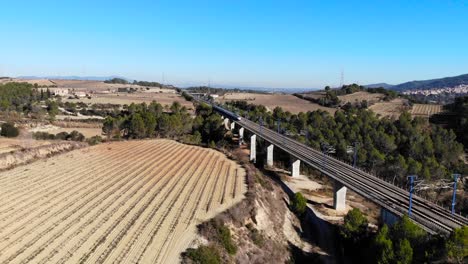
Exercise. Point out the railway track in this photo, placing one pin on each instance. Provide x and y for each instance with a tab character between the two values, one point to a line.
433	218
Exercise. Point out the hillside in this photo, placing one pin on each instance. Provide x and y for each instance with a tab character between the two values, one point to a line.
433	83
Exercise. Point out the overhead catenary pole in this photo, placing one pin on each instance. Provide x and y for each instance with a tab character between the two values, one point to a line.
454	196
356	144
411	177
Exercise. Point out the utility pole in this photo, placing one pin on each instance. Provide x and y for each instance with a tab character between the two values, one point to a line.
411	177
455	179
260	120
356	144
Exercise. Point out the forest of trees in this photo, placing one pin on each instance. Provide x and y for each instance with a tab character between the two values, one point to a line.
24	98
389	148
330	99
403	242
146	121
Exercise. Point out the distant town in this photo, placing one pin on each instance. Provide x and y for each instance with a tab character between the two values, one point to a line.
458	90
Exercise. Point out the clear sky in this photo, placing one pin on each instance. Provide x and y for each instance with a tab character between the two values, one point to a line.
259	43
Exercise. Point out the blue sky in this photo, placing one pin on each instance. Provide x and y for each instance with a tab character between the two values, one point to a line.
247	43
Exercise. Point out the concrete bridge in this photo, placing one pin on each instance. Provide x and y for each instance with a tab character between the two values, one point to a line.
393	200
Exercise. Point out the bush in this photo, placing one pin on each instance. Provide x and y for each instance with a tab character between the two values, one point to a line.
94	140
43	136
224	235
299	203
204	255
9	130
457	244
256	236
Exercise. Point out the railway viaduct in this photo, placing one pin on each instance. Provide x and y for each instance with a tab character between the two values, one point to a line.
392	199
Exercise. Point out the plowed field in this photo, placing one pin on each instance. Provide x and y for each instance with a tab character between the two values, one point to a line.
123	202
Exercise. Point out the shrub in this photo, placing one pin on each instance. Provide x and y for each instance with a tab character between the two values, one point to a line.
94	140
76	136
457	244
204	255
299	203
224	235
9	130
43	136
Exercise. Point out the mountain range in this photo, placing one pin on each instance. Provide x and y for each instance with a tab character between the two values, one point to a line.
425	84
81	78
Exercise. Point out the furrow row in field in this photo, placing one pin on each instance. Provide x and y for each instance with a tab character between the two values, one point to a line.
164	221
87	180
43	211
214	188
112	236
74	239
120	202
162	242
201	191
97	196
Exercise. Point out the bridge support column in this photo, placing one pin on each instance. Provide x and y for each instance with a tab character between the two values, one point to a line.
226	123
270	155
388	217
241	135
339	197
233	125
253	148
295	167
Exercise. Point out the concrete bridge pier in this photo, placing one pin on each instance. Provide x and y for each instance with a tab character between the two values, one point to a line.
226	123
253	148
339	196
295	167
388	217
270	155
241	135
233	125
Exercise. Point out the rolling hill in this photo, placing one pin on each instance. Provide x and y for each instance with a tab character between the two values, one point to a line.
431	84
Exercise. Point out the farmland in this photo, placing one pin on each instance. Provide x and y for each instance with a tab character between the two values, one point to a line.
288	102
390	109
425	110
124	202
141	97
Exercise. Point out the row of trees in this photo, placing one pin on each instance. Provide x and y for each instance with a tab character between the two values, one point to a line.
388	147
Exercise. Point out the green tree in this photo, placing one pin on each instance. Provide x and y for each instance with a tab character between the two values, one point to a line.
384	246
137	128
404	252
457	244
299	203
52	108
9	130
355	225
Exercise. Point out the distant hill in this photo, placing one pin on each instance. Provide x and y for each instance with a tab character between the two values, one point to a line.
431	84
81	78
378	85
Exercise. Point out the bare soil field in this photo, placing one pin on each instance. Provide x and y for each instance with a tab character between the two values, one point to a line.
286	101
14	144
121	202
124	98
31	81
358	97
426	110
390	109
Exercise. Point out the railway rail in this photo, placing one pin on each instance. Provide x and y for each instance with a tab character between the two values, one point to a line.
431	217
